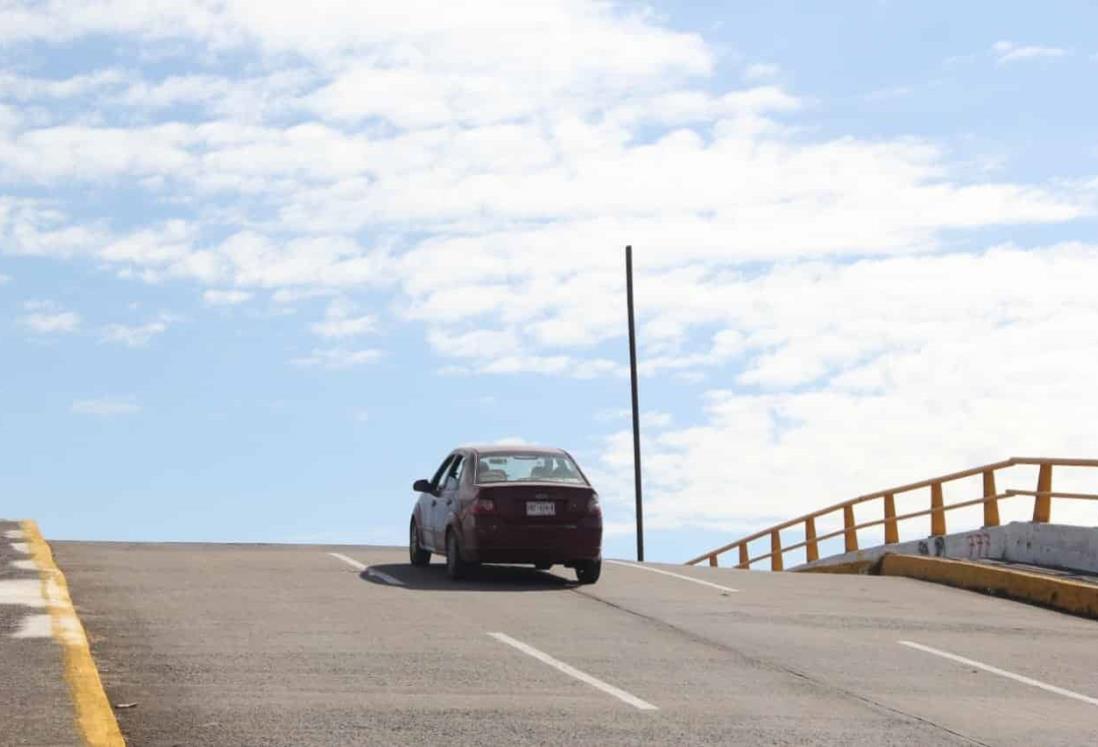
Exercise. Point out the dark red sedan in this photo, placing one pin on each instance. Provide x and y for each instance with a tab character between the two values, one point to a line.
508	504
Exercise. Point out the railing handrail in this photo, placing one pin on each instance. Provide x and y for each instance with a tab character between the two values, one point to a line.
935	483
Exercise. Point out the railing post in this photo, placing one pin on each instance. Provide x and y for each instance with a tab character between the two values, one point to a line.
991	503
1042	504
776	551
745	559
937	511
850	534
712	561
811	550
892	534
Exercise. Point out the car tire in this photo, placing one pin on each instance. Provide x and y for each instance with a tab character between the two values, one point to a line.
417	554
543	566
588	571
456	568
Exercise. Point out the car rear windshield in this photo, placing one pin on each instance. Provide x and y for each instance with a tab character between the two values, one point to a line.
527	467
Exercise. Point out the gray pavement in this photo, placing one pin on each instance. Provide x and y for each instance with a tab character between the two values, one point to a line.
287	645
35	708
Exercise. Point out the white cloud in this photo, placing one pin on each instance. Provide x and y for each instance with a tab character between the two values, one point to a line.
4	279
761	71
105	406
134	335
492	173
215	297
337	358
340	321
23	88
1006	51
854	377
649	418
291	295
47	318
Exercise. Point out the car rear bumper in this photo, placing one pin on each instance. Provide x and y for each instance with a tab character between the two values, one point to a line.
497	541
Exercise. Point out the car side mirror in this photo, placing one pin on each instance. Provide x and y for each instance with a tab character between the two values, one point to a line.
422	486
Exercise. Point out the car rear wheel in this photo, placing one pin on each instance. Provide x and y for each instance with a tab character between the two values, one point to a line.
588	571
455	567
417	554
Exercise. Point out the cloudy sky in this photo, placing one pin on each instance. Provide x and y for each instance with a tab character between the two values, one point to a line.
262	264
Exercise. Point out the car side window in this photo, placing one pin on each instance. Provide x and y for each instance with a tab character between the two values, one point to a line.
453	475
437	480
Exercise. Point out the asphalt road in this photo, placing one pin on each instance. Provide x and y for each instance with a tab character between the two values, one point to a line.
290	645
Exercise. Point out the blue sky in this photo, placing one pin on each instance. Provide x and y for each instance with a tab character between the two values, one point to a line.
262	266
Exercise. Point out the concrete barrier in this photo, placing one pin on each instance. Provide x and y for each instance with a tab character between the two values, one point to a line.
1049	545
1065	595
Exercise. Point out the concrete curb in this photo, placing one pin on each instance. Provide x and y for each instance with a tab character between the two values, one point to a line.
860	567
1061	594
94	715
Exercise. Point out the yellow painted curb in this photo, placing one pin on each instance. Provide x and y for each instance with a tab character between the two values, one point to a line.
1062	594
94	715
855	566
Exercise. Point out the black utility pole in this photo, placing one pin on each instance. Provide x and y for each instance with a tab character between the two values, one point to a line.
636	410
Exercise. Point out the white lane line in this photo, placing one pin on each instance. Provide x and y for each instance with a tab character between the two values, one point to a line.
571	671
369	571
21	547
24	591
673	575
14	534
35	626
1002	672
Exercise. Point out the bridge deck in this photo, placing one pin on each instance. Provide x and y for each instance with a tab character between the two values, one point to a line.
237	644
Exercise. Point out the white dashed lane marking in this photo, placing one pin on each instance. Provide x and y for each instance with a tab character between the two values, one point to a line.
367	569
35	626
650	569
1001	672
22	591
26	592
633	700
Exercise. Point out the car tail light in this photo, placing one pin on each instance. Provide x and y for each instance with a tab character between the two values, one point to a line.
593	507
484	506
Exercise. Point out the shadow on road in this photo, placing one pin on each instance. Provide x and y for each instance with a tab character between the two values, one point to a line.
482	578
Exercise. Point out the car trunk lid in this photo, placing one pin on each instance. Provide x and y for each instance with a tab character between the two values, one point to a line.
530	502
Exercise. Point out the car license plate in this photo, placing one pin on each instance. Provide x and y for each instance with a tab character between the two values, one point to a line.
541	508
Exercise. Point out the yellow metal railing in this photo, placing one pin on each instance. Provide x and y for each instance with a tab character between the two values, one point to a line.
1042	510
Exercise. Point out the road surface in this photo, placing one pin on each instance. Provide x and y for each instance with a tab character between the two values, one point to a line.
311	645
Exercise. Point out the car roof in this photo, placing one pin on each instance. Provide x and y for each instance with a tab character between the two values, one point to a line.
511	448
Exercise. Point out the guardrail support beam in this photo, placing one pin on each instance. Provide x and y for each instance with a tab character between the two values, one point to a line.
811	550
712	561
1042	504
745	560
892	533
776	551
991	503
850	534
937	511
